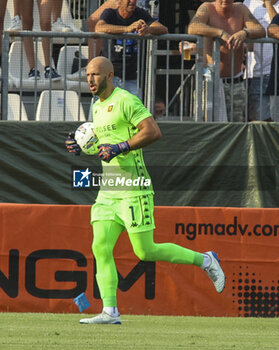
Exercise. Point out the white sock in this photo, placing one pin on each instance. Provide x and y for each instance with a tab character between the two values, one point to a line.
112	311
206	261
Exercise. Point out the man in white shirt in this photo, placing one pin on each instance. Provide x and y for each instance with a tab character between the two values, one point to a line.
259	61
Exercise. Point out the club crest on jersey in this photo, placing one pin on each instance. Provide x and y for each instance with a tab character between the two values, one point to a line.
110	108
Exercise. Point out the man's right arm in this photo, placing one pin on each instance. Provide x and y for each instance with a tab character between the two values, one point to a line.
199	24
103	27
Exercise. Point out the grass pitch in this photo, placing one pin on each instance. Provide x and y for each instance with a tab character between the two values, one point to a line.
25	331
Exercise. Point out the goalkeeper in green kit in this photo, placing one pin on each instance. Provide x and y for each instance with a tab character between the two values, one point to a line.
123	126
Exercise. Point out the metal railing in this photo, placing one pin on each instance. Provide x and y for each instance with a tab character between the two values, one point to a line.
188	94
147	54
213	86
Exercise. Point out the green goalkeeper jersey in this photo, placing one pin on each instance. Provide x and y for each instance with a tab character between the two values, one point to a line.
115	120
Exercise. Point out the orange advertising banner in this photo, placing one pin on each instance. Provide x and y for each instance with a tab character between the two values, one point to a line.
46	261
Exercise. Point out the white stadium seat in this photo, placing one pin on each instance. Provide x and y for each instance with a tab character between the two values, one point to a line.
14	108
72	106
65	67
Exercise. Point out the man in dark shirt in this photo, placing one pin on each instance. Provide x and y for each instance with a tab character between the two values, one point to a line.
128	18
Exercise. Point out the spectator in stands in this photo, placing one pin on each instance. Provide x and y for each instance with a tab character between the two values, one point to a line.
94	47
233	23
128	18
45	8
159	108
109	10
3	4
92	21
259	61
273	32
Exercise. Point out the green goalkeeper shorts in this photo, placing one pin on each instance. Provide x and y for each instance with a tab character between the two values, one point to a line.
135	214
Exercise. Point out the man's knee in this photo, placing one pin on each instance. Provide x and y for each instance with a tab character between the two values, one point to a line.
101	250
145	254
96	247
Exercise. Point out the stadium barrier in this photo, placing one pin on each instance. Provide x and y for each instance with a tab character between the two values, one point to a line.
46	261
193	164
150	52
189	94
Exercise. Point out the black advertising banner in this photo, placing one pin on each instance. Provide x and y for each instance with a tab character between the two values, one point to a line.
194	164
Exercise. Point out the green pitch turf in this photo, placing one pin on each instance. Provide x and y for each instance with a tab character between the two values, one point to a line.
25	331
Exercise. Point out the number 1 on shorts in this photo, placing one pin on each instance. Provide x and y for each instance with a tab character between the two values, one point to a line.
132	211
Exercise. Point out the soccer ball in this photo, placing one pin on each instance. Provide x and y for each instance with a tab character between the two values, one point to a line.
87	139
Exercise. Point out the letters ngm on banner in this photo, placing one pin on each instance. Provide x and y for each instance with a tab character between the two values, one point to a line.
46	261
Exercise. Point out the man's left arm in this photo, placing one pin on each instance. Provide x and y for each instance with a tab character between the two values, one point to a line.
252	29
273	29
149	132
